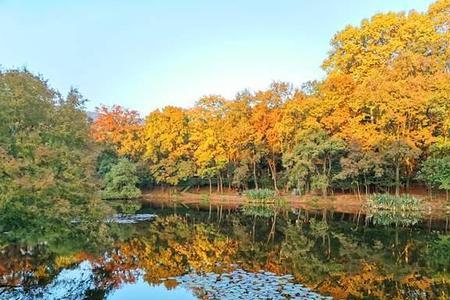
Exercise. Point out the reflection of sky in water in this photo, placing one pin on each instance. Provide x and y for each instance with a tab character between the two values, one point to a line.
72	284
238	284
142	290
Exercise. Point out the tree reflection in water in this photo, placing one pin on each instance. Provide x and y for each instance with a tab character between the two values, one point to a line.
335	258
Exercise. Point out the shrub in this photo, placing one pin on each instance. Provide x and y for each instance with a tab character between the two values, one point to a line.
121	181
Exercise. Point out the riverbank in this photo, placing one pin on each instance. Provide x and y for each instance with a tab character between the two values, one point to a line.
345	203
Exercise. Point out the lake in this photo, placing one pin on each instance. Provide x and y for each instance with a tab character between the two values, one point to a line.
215	252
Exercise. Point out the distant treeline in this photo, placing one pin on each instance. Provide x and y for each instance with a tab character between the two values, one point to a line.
379	120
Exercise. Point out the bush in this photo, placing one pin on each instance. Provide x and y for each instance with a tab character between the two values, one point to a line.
121	181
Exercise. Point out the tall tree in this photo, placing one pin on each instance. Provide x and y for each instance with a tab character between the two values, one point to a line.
120	128
167	147
47	162
266	114
208	138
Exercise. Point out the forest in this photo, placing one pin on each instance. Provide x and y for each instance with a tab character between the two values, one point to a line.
378	122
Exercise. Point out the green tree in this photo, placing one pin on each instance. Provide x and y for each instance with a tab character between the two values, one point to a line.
47	174
435	171
360	169
315	159
106	160
121	181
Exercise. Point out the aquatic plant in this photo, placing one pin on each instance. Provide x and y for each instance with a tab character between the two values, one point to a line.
392	202
262	203
204	199
389	217
240	284
386	209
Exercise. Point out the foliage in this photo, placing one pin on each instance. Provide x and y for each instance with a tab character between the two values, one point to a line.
386	209
167	149
369	125
120	182
120	128
262	203
438	252
145	178
435	171
391	202
47	163
106	160
315	158
260	195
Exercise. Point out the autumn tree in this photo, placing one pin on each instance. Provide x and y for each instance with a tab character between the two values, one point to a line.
266	114
239	145
119	127
208	138
167	148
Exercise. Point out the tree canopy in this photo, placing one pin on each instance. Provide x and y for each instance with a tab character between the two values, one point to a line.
46	172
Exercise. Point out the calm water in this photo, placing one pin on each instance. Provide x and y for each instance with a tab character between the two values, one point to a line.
251	253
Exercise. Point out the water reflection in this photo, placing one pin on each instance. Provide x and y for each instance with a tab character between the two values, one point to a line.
191	254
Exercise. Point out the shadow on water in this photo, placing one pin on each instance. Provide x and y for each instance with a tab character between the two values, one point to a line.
205	251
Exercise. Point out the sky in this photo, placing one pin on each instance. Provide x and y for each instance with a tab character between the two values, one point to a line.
145	55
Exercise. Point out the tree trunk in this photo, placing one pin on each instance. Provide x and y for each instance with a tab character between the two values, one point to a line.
366	185
397	179
325	173
229	178
221	182
217	183
210	185
255	179
359	192
273	171
272	229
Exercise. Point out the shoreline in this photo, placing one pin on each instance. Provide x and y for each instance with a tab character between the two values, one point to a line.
344	203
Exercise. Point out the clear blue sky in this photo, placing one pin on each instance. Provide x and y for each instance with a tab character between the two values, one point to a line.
148	54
